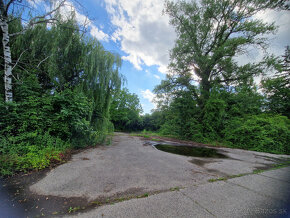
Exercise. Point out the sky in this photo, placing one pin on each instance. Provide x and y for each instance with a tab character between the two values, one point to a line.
139	32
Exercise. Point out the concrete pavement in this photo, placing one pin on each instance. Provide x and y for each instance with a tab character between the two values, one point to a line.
129	168
258	195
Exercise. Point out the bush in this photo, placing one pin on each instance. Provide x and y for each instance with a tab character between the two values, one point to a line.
264	132
17	154
34	131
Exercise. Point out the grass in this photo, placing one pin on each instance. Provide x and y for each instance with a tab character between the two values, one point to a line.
150	135
274	167
175	188
114	200
73	209
117	200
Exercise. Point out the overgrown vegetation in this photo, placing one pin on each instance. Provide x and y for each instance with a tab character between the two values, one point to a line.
208	96
66	88
62	87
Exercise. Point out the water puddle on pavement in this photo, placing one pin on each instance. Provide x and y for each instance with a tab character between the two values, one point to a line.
190	151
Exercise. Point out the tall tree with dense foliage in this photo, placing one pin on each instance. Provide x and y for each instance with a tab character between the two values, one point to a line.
207	95
210	33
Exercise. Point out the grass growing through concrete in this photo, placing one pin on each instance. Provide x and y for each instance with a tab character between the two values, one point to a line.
274	167
101	202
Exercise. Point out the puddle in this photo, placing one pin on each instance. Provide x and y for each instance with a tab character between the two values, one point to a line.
190	151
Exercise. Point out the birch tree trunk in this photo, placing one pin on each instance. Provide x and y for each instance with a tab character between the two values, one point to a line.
4	22
7	60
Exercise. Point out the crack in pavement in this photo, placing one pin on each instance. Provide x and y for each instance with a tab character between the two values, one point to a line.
194	201
282	180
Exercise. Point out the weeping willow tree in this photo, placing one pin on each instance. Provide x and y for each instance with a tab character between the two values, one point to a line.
101	77
68	62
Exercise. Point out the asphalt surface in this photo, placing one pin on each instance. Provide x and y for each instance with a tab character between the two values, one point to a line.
131	166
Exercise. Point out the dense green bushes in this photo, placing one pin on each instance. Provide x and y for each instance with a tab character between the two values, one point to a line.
38	129
264	132
235	117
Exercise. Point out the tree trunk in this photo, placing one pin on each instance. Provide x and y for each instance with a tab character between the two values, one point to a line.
7	59
205	90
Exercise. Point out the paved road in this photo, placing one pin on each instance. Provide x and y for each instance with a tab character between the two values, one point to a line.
130	167
263	195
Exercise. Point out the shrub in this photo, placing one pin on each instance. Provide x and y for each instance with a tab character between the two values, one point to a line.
35	130
264	132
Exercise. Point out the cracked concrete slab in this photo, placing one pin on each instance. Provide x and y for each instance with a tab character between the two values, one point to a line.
128	166
118	168
233	198
164	205
267	186
225	199
282	174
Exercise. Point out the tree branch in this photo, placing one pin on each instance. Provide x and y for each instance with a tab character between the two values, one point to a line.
40	19
19	59
43	60
8	5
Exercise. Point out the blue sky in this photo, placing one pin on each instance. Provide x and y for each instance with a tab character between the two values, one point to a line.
113	24
142	35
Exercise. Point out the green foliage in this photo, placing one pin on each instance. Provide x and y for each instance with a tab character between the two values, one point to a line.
233	116
214	117
181	118
125	111
278	94
154	121
210	34
62	95
260	133
225	105
277	87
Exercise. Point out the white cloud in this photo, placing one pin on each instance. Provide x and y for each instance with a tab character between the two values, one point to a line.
83	20
156	76
34	3
144	33
135	60
147	94
99	34
277	42
66	12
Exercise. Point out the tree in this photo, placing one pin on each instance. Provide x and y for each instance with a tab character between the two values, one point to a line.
5	18
210	33
125	111
277	88
154	121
